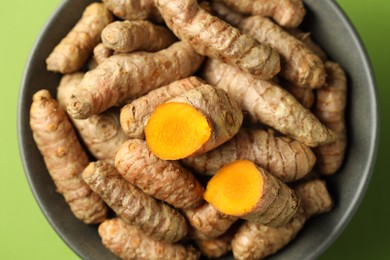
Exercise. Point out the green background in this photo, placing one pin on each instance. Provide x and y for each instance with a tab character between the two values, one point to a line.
24	231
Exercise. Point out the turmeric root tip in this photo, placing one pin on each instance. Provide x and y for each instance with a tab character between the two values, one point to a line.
245	190
176	130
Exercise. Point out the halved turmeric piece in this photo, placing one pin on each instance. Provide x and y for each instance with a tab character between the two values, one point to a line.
192	123
245	190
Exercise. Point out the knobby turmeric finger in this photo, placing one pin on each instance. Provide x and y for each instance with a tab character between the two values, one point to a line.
64	157
287	13
215	247
193	123
153	217
135	115
74	50
269	104
256	241
208	221
128	36
299	64
101	53
128	242
164	180
305	96
212	37
287	159
244	190
330	109
125	76
134	10
102	134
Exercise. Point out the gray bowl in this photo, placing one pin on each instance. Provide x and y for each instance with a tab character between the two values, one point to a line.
329	26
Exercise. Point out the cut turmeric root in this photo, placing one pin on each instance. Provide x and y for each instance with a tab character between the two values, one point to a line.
193	123
135	115
255	241
247	191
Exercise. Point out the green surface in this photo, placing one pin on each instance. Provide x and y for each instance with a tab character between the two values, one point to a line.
25	233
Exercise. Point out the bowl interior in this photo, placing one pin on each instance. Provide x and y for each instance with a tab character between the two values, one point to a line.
329	26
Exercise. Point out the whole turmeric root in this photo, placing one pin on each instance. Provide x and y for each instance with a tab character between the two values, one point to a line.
215	247
305	96
245	190
102	133
134	10
193	123
287	13
64	157
125	76
135	115
208	222
153	217
74	50
164	180
128	36
299	64
269	104
255	241
212	37
101	53
309	42
330	109
285	158
128	242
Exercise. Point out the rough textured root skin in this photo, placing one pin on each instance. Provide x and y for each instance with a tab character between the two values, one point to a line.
274	107
101	53
315	198
255	241
64	157
128	36
153	217
305	96
74	50
309	43
298	63
287	13
215	247
102	133
208	221
125	76
128	242
135	115
134	10
163	180
223	112
330	109
287	159
212	37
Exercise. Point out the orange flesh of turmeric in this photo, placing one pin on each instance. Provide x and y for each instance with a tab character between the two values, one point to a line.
236	188
176	130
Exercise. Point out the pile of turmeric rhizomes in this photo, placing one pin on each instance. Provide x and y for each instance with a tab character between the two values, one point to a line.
211	126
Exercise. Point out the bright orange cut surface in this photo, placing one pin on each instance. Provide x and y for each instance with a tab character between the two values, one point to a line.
236	188
176	130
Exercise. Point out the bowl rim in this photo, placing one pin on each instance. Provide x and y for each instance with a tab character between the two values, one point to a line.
359	192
